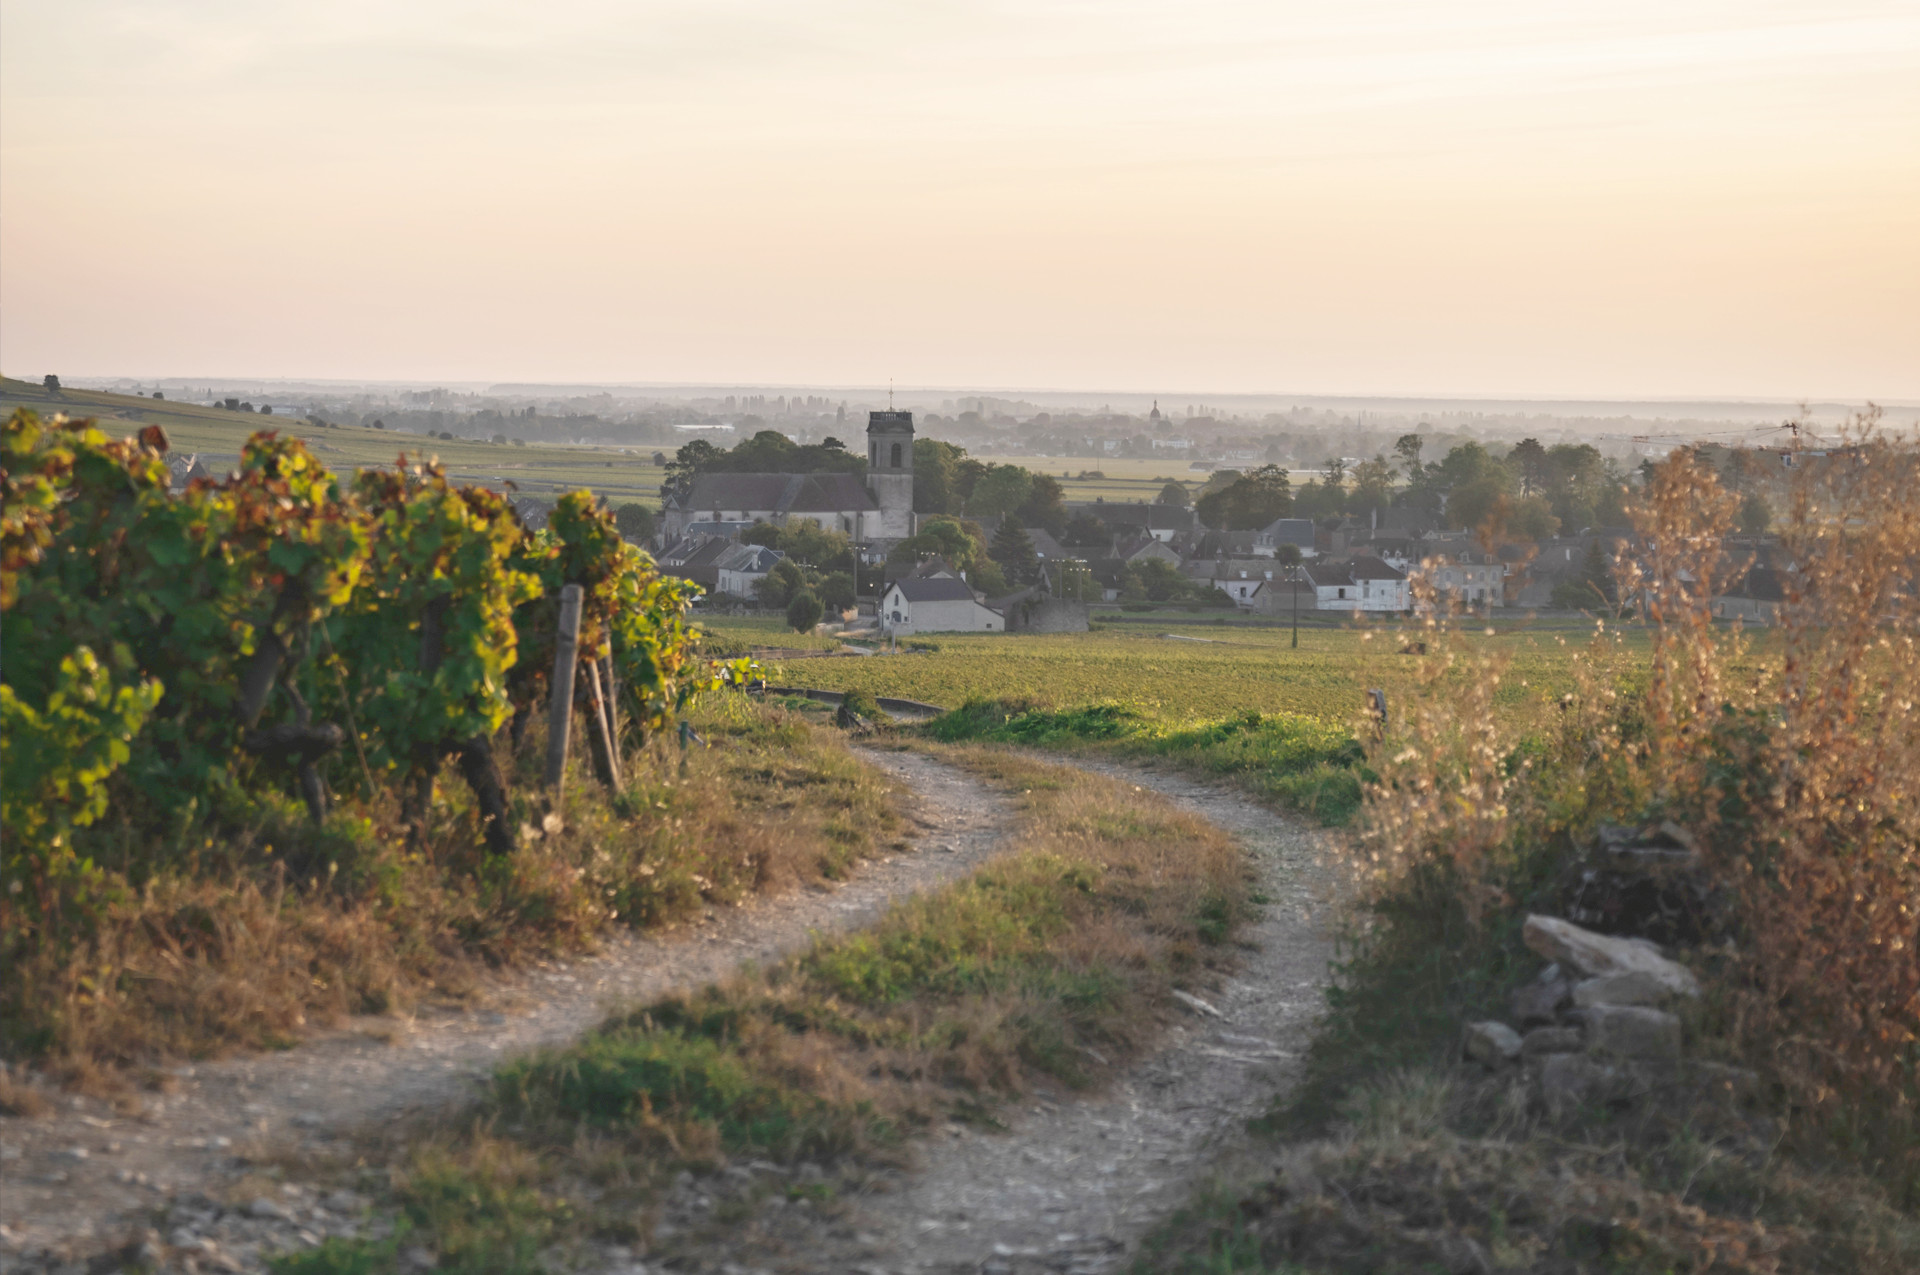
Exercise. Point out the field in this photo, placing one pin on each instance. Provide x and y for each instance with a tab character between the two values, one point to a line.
543	470
1123	480
1185	673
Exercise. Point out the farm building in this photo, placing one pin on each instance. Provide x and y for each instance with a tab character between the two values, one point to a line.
1361	584
939	604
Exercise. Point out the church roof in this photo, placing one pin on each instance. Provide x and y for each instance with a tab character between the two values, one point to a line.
780	493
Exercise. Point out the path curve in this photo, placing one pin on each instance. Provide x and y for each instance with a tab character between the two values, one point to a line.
88	1175
1076	1183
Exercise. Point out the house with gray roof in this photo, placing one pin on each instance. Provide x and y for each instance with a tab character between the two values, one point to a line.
936	604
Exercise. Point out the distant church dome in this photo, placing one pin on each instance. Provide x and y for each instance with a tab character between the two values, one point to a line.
1154	415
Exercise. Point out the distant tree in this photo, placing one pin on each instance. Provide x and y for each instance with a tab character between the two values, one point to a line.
500	439
1045	506
1087	531
158	394
960	543
1154	580
805	541
660	459
1407	448
1013	550
50	382
1755	517
1592	588
1336	471
1174	494
1372	485
1287	555
1529	460
266	409
936	477
379	424
804	612
836	590
1531	518
519	442
1000	490
786	580
1249	502
634	520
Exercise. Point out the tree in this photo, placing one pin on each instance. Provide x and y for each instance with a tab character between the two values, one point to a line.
1407	448
1087	531
1287	555
1045	506
1013	551
936	479
1001	490
806	541
50	382
804	612
1372	485
1592	588
786	581
836	590
635	521
1249	502
1755	517
1174	494
1529	460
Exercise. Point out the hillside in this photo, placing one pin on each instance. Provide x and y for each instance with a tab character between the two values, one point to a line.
538	470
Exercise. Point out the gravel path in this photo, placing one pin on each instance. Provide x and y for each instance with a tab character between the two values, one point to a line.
1075	1183
91	1174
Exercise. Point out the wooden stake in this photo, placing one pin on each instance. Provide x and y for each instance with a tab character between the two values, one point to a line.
606	759
566	652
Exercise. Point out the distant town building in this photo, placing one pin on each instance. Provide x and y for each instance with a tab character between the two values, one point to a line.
938	604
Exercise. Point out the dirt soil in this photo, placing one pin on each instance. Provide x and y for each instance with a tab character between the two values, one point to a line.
91	1172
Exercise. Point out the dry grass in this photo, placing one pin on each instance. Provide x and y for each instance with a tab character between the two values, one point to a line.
1050	964
1795	762
280	929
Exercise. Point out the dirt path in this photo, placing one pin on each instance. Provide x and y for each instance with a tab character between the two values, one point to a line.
1077	1182
89	1174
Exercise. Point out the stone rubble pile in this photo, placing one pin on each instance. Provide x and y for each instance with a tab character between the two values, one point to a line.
1597	1024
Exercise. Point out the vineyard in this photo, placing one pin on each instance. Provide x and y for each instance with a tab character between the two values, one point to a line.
1192	673
224	701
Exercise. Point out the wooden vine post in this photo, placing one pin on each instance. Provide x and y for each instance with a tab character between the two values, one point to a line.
566	652
606	757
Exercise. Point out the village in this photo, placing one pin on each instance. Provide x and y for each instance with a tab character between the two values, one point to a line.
720	533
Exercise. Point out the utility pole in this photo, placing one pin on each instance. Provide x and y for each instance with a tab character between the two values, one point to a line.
1297	571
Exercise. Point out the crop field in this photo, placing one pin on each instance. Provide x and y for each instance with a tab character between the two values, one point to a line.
1183	674
538	469
1121	481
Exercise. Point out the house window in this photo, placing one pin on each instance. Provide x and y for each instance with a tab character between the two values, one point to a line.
1343	593
896	456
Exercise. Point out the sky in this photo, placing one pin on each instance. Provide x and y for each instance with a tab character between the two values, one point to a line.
1476	197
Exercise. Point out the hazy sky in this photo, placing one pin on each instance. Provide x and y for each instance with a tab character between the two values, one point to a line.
1378	196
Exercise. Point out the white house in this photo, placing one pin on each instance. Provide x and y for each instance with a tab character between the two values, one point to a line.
938	604
1467	579
1238	578
743	566
1362	584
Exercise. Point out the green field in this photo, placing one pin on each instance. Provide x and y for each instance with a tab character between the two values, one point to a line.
1202	673
1122	481
538	469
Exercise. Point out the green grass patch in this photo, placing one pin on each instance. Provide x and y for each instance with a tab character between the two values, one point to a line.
1292	760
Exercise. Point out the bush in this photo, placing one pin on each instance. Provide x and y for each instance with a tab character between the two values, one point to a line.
804	612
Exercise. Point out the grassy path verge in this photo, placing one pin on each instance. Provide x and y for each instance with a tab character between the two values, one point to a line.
1051	963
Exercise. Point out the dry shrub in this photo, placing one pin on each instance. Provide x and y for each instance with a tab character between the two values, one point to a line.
1795	758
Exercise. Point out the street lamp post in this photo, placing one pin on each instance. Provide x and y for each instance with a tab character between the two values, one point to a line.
1296	606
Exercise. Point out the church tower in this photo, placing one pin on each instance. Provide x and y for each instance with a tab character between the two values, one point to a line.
890	474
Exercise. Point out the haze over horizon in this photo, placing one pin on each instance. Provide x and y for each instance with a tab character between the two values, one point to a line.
1646	201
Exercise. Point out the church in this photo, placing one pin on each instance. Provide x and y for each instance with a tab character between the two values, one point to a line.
877	513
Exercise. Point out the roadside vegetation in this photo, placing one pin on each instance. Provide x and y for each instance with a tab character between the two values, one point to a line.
1789	1137
228	714
1301	763
1050	965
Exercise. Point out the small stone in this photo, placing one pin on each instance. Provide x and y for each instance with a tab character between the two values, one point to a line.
1568	1080
270	1209
1630	1031
1493	1044
419	1259
73	1153
1550	1040
1634	987
1540	1002
343	1202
